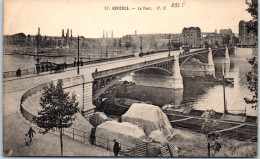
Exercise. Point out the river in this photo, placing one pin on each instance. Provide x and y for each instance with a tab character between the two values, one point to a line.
205	95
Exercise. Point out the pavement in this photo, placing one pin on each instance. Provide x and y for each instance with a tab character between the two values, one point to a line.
43	144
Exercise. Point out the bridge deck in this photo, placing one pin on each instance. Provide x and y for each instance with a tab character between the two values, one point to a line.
89	69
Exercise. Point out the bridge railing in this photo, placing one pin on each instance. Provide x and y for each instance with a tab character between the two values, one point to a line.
30	71
190	53
29	116
23	72
129	67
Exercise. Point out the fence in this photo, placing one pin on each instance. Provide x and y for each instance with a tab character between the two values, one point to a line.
36	89
129	67
33	70
84	137
23	72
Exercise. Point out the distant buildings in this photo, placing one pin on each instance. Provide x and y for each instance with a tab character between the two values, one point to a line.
191	36
245	37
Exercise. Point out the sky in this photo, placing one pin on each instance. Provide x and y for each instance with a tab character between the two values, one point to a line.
89	18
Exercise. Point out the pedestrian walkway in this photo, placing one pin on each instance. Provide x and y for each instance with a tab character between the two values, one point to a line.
42	145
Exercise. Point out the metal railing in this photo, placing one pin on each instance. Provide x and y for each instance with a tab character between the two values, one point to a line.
36	89
29	71
84	137
23	72
130	67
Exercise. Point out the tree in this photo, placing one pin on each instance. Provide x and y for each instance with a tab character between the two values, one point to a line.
252	75
208	128
216	43
253	10
127	45
58	109
252	82
206	44
226	39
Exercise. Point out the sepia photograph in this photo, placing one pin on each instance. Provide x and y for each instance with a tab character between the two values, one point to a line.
129	78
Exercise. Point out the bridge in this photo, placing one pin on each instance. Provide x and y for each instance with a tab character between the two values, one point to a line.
95	79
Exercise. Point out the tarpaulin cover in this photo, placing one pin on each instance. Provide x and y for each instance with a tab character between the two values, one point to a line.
81	124
151	118
126	134
98	118
158	137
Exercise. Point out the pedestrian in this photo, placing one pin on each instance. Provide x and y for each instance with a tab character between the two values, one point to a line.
18	72
42	68
26	139
38	68
30	133
65	65
96	71
116	148
81	62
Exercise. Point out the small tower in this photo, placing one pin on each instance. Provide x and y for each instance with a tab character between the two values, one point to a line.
63	33
135	33
103	34
71	33
112	34
38	30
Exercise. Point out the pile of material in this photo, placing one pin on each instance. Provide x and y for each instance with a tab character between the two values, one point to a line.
150	117
80	125
98	118
126	134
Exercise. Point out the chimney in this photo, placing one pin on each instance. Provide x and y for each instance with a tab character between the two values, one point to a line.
38	30
112	34
216	31
71	33
135	32
67	35
62	32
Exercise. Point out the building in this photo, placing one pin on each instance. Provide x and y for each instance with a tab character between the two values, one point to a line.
226	31
215	39
191	36
246	38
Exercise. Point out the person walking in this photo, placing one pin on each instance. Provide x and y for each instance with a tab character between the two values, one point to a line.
116	148
26	139
30	133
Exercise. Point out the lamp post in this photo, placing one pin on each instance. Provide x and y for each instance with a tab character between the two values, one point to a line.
168	37
78	56
37	52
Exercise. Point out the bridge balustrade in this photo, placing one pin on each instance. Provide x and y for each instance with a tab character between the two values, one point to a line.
129	67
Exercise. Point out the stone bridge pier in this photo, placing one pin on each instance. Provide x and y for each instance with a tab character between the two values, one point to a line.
210	66
227	58
176	78
198	64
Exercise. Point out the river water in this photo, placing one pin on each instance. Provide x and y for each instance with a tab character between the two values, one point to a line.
204	95
197	93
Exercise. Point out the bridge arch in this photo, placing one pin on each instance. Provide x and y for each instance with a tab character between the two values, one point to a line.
197	56
159	68
218	53
113	80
